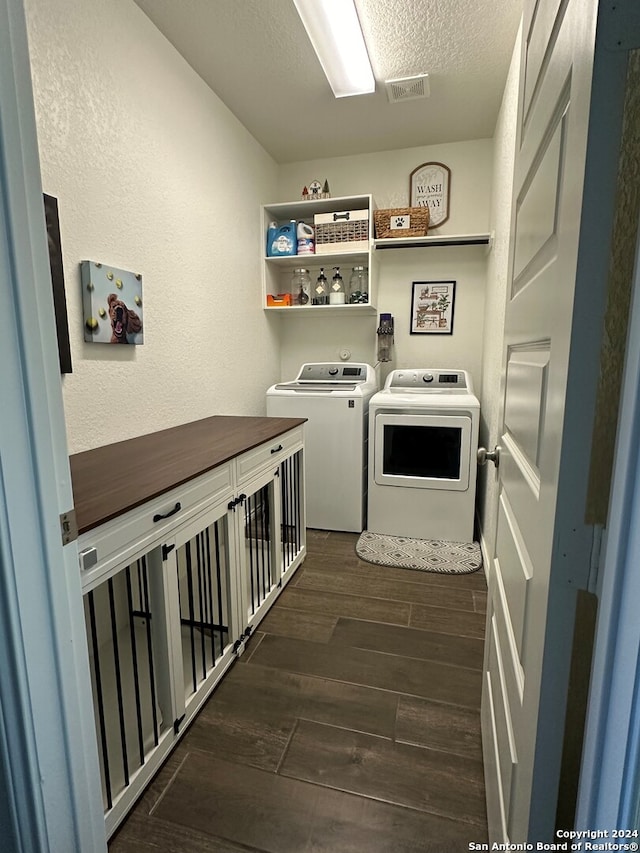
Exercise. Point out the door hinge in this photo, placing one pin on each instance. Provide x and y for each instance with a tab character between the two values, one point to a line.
166	550
68	526
240	643
177	723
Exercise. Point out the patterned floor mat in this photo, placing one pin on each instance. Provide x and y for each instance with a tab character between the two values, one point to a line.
424	555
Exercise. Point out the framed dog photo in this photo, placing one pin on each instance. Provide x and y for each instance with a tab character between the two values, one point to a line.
432	304
112	304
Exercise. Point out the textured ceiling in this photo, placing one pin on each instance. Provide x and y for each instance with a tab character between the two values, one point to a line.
256	57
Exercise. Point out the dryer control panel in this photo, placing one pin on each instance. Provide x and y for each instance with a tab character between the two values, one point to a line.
424	379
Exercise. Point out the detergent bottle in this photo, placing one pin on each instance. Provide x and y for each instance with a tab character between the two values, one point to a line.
306	245
272	230
283	241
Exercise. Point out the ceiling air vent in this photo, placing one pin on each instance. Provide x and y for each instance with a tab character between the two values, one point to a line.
407	88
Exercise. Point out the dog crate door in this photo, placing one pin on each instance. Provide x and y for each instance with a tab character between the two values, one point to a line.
292	521
132	708
204	624
258	519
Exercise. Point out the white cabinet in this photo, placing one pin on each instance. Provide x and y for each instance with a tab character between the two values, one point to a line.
173	597
277	271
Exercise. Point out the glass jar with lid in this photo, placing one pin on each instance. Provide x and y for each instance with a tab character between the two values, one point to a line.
300	287
359	285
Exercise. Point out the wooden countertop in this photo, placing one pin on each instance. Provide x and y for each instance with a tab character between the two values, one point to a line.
113	479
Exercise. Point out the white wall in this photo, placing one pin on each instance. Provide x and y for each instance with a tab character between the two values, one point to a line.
496	295
153	174
386	176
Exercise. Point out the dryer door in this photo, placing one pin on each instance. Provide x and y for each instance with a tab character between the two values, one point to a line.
422	451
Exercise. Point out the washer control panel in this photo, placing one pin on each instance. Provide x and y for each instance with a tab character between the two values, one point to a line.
334	372
428	380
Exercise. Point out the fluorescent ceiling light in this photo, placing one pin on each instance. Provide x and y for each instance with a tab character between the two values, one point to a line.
335	33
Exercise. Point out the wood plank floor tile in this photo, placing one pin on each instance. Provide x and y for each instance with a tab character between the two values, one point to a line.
480	601
440	783
257	701
161	781
242	804
429	679
281	815
346	823
341	555
438	726
335	562
388	589
409	642
161	836
336	604
255	735
299	624
444	621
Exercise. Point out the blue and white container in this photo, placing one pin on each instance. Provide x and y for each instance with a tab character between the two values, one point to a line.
282	240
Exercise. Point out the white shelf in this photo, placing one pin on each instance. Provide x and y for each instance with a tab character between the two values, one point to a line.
358	308
328	261
276	271
433	240
305	210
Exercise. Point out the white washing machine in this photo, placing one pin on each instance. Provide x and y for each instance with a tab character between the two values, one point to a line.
423	440
334	397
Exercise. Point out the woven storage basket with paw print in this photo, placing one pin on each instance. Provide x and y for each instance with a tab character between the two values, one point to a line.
401	222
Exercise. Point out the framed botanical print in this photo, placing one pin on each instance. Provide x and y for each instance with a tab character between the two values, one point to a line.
432	304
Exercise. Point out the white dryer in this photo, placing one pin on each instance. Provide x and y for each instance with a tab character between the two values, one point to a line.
334	397
423	440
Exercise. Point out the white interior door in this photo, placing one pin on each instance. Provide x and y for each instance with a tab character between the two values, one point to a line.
531	599
49	771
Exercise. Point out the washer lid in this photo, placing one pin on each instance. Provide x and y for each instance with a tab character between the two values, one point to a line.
311	387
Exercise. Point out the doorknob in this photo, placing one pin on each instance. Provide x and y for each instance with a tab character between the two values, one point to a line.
485	455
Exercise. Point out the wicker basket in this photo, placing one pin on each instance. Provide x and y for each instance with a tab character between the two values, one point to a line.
389	222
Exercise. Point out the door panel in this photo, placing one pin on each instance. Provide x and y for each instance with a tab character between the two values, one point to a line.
525	398
514	569
505	741
548	179
536	210
539	24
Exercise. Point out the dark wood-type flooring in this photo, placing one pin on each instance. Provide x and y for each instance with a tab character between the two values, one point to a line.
350	725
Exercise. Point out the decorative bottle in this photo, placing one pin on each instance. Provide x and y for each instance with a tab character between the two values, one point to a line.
337	294
321	296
